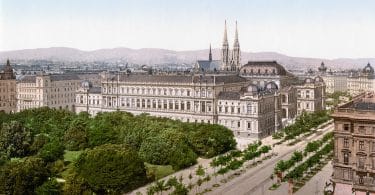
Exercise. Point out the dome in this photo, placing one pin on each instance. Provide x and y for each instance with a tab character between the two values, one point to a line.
86	84
253	89
368	69
309	80
318	79
271	86
322	67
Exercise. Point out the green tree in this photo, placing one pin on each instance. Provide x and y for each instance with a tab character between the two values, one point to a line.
50	187
111	168
52	151
155	150
22	177
15	139
75	138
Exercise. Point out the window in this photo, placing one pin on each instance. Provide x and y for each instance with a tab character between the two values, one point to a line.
346	127
346	143
346	158
361	145
361	129
249	108
361	162
249	125
238	124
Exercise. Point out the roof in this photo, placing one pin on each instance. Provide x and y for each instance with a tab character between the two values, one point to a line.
260	64
27	79
207	65
229	95
179	78
95	90
363	106
62	77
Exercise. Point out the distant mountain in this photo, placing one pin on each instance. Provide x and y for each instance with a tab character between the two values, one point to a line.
162	56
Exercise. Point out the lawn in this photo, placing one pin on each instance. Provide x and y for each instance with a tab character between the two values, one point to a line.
71	156
158	171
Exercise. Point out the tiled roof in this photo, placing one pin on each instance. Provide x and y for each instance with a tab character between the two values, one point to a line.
27	79
179	78
229	95
207	65
95	90
280	69
62	77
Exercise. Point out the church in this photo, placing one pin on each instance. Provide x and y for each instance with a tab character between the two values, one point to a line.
230	59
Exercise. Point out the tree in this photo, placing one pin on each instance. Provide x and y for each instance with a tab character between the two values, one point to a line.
22	177
15	139
75	138
51	187
200	171
112	168
155	150
39	141
52	151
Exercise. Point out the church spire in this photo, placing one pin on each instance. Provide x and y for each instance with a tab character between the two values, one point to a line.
225	62
210	54
236	53
225	40
8	63
236	36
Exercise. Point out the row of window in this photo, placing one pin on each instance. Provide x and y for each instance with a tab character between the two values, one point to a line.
158	91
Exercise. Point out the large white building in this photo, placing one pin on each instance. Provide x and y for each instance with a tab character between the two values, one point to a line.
55	91
247	109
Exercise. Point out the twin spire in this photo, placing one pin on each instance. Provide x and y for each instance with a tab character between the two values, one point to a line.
230	60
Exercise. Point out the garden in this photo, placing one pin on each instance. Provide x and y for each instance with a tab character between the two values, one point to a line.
48	151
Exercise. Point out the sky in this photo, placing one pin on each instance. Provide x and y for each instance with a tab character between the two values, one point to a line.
304	28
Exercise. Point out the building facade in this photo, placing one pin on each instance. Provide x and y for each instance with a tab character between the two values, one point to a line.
359	82
250	111
7	89
54	91
354	146
335	82
311	95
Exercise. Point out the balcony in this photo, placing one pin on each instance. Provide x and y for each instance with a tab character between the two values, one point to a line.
364	181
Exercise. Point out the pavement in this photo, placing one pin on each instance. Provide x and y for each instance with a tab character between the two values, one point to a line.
254	180
257	180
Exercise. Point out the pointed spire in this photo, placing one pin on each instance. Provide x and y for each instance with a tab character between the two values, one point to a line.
210	55
225	40
236	36
8	63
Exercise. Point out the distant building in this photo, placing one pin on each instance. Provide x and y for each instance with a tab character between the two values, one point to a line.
311	95
354	146
54	91
336	82
363	81
7	89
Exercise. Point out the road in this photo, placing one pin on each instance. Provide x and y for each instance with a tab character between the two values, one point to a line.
257	180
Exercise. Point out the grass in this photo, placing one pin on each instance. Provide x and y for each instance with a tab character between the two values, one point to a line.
71	156
158	171
274	186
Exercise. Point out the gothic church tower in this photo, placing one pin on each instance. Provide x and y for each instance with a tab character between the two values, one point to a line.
225	63
236	53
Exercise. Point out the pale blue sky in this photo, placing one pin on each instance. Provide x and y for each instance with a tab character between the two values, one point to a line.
309	28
